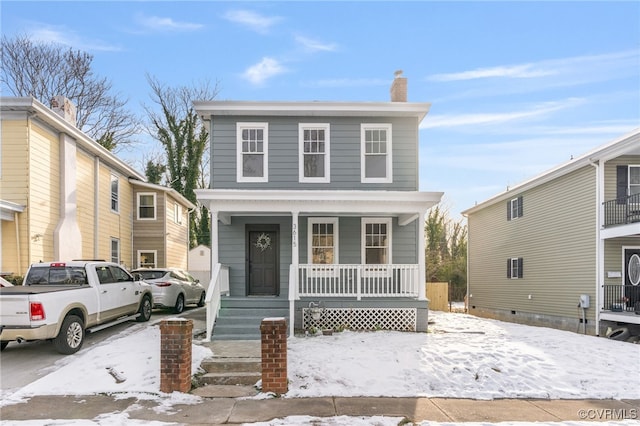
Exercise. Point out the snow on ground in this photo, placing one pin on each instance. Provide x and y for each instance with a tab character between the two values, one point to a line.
461	357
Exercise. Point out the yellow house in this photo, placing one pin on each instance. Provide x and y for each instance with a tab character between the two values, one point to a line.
62	195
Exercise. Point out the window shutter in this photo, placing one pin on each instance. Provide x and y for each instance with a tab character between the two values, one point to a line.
520	206
509	210
520	262
622	174
508	268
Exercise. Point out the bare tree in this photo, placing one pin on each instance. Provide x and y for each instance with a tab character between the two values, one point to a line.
176	125
44	70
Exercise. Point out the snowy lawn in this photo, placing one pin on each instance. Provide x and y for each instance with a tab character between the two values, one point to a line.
461	357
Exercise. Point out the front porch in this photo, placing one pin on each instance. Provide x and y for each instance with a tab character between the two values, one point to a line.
621	303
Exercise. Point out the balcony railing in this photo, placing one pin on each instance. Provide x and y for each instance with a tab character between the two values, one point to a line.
622	211
358	281
620	298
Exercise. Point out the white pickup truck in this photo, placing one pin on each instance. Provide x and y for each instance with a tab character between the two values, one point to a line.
59	301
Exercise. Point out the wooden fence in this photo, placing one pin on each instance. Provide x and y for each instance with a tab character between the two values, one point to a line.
438	295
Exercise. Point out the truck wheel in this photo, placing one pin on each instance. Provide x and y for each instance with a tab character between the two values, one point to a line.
145	310
179	307
71	335
3	345
201	301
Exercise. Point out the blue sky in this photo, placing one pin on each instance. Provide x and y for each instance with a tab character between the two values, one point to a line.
516	87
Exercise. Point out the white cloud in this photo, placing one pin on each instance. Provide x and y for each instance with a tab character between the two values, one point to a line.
348	82
252	20
59	35
314	45
517	71
497	117
265	69
157	23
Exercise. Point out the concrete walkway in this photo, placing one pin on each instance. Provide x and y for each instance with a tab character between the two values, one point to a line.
218	411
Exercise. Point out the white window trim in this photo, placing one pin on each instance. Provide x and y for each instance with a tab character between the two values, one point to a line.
265	147
512	275
327	152
370	126
178	213
629	184
117	241
116	179
155	256
336	241
368	220
155	206
514	202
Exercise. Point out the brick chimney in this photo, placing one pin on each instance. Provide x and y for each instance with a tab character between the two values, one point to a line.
399	88
64	108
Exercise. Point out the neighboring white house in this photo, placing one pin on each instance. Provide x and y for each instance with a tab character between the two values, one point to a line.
200	264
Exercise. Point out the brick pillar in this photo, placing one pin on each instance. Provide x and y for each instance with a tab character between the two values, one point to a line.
274	355
175	355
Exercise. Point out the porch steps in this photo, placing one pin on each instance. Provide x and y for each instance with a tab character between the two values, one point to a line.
232	371
240	318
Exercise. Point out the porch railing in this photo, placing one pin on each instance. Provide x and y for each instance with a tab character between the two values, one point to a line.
620	298
622	211
343	280
218	285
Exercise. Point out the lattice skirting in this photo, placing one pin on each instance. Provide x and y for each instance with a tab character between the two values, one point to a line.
398	319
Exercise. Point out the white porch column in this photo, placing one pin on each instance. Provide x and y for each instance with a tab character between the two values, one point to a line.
214	238
293	277
422	268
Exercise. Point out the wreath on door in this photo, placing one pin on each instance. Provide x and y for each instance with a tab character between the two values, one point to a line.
263	242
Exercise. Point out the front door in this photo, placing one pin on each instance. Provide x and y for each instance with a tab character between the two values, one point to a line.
632	276
262	260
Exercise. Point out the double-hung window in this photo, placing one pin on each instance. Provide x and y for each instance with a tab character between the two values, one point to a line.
323	241
146	206
376	244
634	180
376	151
177	214
252	152
515	268
514	208
314	152
115	192
115	250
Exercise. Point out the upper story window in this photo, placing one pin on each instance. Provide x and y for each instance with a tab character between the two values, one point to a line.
252	152
634	180
323	240
115	192
514	208
177	213
314	152
146	206
376	153
376	244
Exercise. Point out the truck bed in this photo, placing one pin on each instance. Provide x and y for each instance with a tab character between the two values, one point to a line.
38	289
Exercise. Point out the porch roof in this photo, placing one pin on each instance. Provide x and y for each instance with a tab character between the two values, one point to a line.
407	205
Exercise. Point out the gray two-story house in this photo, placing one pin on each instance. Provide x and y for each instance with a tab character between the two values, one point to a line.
316	215
570	239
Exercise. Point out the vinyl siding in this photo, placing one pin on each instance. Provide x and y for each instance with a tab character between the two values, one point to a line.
86	202
14	187
614	257
177	236
115	225
344	150
149	235
556	237
231	240
43	206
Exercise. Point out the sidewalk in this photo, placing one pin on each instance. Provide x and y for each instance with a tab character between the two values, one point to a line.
218	411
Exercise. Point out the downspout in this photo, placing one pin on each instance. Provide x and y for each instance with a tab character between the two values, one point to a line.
599	247
17	223
466	296
189	212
